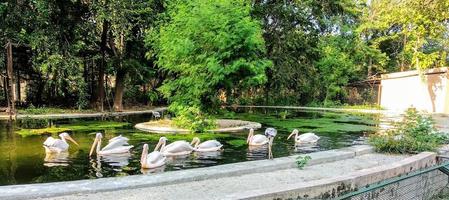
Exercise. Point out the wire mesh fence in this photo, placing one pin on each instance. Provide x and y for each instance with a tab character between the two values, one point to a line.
425	184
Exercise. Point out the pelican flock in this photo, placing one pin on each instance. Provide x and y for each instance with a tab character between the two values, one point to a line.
157	158
53	145
116	145
306	138
206	146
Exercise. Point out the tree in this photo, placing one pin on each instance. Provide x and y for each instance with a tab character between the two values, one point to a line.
209	46
412	31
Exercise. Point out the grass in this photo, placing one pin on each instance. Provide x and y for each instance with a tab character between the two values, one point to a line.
79	126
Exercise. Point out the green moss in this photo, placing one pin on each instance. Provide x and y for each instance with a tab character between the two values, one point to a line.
40	131
188	137
237	142
79	126
329	122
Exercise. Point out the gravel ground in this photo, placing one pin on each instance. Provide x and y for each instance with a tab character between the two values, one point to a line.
230	187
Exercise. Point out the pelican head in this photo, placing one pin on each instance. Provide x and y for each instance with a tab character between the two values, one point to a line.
98	137
294	132
161	143
250	135
67	136
195	142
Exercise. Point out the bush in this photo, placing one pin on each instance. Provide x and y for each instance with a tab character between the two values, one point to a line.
193	119
415	133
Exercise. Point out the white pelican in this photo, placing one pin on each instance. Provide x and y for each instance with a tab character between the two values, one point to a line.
209	145
52	145
153	160
176	148
116	145
256	140
305	138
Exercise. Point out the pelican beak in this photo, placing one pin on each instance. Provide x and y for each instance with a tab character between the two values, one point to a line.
293	133
158	145
71	140
250	135
93	146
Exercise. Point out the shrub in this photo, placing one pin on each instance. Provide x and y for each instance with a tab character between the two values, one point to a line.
301	161
415	133
194	119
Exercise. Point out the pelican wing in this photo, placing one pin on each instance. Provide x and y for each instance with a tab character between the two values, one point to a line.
49	141
155	157
308	137
120	137
116	143
257	139
56	145
178	146
209	144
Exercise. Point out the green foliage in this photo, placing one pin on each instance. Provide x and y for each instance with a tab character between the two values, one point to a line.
343	60
301	161
412	32
415	133
193	119
208	46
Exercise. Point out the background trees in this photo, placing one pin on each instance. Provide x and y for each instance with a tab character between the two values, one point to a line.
105	53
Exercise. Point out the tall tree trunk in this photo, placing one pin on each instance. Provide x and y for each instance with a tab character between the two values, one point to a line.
101	70
10	73
119	90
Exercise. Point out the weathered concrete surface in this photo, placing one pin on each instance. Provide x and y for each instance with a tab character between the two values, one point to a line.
315	179
84	115
174	177
224	125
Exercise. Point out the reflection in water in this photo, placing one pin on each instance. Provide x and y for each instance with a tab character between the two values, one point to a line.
116	160
56	159
153	170
306	147
207	155
257	152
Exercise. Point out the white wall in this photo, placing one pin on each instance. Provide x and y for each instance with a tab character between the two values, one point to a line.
427	92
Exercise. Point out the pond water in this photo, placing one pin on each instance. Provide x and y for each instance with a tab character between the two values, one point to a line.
23	159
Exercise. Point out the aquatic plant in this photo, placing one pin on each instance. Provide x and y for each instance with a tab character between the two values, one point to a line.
415	133
84	126
329	122
301	161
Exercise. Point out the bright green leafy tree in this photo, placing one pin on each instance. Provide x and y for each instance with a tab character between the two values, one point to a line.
209	46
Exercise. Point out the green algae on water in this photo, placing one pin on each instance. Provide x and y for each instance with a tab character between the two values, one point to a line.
85	126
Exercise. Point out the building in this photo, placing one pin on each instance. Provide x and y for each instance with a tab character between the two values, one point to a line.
427	90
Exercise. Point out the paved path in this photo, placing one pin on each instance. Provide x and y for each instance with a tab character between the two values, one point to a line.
233	187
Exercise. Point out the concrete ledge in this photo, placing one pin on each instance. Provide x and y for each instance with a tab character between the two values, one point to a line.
83	115
333	187
174	177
